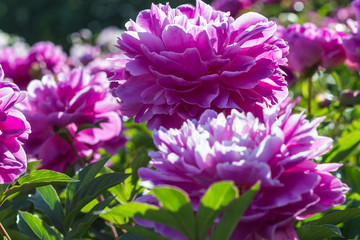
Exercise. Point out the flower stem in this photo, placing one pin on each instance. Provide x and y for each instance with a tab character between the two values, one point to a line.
4	233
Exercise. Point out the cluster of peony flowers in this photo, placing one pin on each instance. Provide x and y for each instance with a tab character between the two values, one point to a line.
13	130
278	152
43	58
312	46
58	107
185	60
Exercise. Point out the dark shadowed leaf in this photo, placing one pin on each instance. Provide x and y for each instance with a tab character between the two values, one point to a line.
81	226
35	228
47	201
140	233
89	191
318	232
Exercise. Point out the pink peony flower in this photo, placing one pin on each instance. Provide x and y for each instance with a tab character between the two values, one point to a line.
82	54
189	59
13	129
278	152
106	63
352	42
43	58
47	58
58	106
311	46
106	39
232	6
15	66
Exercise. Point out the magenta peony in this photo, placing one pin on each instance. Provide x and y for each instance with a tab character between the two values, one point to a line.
109	63
232	6
58	106
189	59
13	129
47	58
43	58
277	152
311	47
82	54
352	42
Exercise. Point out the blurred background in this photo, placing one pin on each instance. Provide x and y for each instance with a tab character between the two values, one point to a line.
39	20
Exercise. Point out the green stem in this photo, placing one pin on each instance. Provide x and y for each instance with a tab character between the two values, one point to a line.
4	233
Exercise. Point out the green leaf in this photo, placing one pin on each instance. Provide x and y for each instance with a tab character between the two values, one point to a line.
318	232
352	172
213	202
139	210
178	203
85	175
91	190
33	165
345	148
47	200
337	79
3	188
37	179
337	217
128	210
16	235
35	228
232	215
81	226
141	160
141	233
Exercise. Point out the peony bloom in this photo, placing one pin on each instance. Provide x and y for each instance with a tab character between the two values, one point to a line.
106	39
13	129
82	54
43	58
311	47
277	152
47	58
185	60
58	106
232	6
108	63
15	66
352	42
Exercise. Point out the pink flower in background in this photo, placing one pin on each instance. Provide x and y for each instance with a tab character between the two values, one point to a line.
82	54
47	58
311	46
106	39
43	58
15	65
352	42
185	60
13	129
107	64
57	107
277	152
232	6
